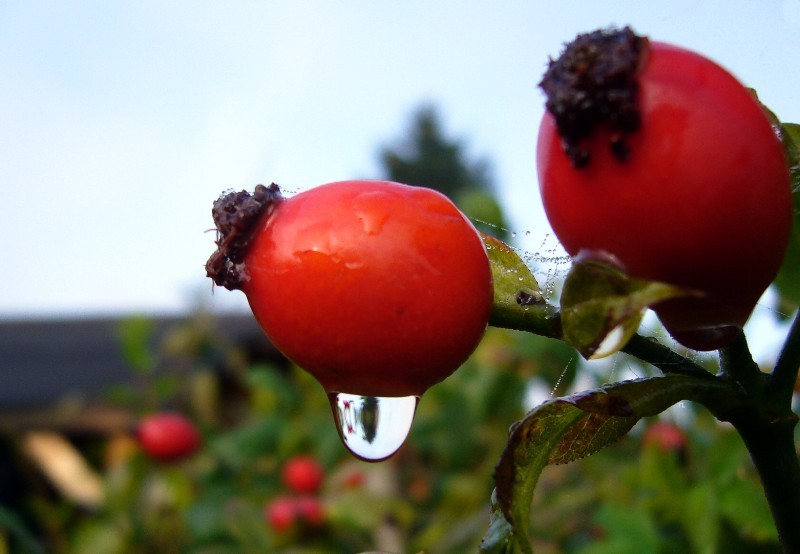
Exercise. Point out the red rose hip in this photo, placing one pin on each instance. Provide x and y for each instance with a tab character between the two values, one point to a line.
661	158
303	474
168	436
281	513
375	288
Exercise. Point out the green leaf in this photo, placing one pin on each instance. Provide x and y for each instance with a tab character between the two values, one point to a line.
790	135
601	306
135	337
627	532
240	447
483	209
788	280
500	537
701	517
100	537
743	504
566	429
518	299
14	525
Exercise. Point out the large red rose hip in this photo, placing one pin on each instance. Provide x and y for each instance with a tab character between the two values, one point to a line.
659	157
376	288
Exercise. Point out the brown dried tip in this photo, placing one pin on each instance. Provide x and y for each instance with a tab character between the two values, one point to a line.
593	83
236	216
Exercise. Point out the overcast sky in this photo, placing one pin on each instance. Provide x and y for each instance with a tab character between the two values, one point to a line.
122	121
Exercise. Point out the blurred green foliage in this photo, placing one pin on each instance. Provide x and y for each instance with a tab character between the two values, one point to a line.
433	496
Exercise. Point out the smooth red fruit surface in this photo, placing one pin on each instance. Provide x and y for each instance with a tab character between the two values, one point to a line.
303	474
703	200
168	436
375	288
281	513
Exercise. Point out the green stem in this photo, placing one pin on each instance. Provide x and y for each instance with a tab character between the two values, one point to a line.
767	429
736	362
665	359
771	446
545	320
762	414
540	318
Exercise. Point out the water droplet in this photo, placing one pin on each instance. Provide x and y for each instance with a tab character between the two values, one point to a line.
373	427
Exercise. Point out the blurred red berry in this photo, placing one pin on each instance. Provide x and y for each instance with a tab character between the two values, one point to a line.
303	474
310	510
353	480
281	513
668	437
168	436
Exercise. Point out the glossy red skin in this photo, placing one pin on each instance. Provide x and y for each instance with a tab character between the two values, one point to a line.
303	474
704	202
168	436
375	288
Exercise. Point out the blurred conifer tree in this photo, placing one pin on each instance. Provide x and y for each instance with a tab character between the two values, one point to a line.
426	157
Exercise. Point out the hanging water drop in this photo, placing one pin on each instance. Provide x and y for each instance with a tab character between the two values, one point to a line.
373	427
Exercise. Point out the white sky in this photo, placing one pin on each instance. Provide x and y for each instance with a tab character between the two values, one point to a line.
122	122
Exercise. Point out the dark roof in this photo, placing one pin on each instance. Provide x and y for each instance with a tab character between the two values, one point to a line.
42	361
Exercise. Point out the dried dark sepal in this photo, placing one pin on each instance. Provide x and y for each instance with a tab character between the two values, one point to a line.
592	84
236	216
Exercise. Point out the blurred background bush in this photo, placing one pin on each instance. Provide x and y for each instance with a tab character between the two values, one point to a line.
73	477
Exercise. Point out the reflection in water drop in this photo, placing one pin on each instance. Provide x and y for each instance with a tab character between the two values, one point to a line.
373	428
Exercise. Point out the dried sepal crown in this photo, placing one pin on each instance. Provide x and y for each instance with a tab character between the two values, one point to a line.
593	83
236	215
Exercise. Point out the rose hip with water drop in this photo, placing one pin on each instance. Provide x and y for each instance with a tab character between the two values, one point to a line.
378	289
